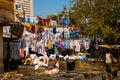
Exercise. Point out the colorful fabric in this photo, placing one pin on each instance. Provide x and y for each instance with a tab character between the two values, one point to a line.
83	58
77	45
81	54
61	44
51	51
64	43
33	29
50	44
22	54
68	44
28	27
71	44
17	30
54	30
74	33
66	21
43	22
66	35
39	30
57	44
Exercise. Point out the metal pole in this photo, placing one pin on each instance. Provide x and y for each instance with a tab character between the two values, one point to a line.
23	11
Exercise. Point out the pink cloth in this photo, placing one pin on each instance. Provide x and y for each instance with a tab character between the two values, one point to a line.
61	44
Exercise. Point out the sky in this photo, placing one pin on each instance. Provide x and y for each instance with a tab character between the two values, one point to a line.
43	8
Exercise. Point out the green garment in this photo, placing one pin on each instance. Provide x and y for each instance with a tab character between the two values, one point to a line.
54	30
109	67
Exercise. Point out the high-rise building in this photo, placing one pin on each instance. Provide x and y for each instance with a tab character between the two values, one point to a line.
24	7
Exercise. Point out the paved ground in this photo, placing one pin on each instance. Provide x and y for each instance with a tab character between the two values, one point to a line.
15	76
92	74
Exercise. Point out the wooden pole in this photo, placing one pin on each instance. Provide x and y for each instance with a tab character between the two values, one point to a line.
118	54
1	50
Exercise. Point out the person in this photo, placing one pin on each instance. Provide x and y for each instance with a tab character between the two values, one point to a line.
109	62
55	68
35	60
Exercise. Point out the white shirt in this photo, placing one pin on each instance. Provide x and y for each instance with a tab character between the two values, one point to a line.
108	58
77	45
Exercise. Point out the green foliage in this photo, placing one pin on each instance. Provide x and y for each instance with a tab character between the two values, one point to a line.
53	16
97	16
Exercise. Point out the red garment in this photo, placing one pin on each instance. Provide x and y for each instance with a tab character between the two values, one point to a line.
22	54
43	21
50	68
54	64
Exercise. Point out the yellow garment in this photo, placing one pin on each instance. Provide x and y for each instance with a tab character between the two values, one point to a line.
27	24
73	54
81	54
44	27
36	29
28	61
50	44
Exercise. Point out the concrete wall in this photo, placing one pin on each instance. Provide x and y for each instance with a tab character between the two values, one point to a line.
7	10
1	50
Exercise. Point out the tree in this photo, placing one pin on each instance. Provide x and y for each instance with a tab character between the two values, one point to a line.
97	17
53	16
64	12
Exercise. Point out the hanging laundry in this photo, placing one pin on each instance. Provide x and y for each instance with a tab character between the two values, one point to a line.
27	19
22	54
66	21
74	33
17	29
43	22
53	23
32	29
54	30
40	30
50	44
61	20
82	43
28	26
71	44
61	43
77	45
22	43
68	44
39	22
57	44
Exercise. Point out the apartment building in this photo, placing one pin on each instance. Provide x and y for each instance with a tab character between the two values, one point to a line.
24	7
